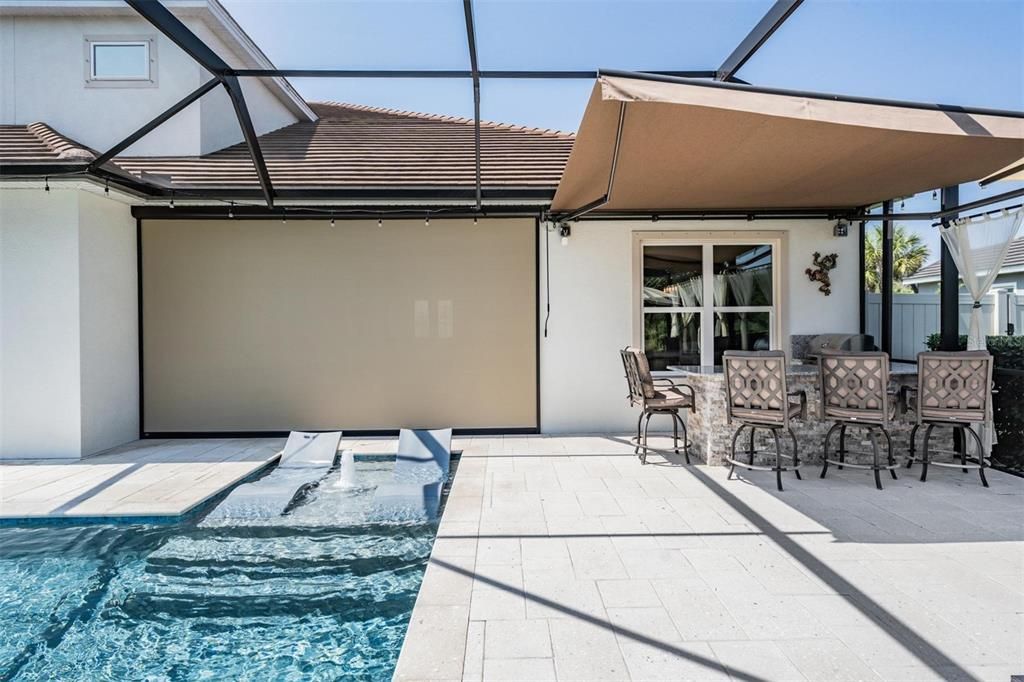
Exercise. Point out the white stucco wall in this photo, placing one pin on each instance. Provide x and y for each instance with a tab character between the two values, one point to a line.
42	78
108	323
39	334
592	310
68	324
218	123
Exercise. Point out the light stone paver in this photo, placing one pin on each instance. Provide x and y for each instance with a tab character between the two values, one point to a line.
570	559
152	478
517	639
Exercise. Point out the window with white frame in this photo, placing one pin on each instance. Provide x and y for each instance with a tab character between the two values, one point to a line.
113	61
701	299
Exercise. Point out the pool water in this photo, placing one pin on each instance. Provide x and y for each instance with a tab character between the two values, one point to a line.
317	594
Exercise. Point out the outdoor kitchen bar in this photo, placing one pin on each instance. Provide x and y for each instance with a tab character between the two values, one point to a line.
711	434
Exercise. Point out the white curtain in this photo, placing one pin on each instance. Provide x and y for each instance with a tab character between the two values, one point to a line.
979	248
690	294
720	284
742	284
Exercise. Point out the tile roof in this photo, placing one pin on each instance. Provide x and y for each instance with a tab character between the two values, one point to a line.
1014	259
38	142
354	146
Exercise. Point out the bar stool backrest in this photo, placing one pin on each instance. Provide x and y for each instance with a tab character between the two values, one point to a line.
755	386
638	375
854	386
954	386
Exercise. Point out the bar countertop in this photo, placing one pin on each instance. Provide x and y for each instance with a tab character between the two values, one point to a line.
794	369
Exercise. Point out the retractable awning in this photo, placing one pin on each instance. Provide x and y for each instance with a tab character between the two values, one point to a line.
691	145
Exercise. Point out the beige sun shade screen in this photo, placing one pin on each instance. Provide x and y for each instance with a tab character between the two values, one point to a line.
259	325
692	147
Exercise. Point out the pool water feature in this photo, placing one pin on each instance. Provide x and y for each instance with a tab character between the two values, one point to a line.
319	593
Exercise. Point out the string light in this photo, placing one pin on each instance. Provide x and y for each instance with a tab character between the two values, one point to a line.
426	221
380	221
475	221
902	204
171	205
935	194
106	186
284	216
231	210
332	220
46	183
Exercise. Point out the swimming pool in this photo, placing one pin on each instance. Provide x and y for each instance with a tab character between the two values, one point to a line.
317	594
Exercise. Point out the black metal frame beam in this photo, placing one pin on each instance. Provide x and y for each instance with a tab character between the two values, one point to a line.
323	212
770	22
949	282
945	212
862	275
885	280
539	74
252	140
158	15
156	122
168	24
467	7
155	13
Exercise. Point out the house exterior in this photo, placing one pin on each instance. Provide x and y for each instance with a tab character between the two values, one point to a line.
163	299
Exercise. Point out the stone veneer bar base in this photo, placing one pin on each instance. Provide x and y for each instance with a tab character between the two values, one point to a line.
711	434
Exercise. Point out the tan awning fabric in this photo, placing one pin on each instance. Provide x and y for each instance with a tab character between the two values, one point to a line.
693	147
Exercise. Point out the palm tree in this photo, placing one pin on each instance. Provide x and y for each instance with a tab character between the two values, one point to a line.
909	254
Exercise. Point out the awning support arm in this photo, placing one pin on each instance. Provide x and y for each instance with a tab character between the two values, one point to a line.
467	6
598	203
770	22
1002	174
149	127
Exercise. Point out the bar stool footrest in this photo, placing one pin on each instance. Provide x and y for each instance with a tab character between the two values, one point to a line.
846	464
764	467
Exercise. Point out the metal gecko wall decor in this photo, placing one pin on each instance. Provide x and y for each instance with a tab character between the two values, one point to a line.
819	273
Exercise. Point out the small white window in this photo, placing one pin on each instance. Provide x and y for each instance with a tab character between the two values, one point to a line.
120	61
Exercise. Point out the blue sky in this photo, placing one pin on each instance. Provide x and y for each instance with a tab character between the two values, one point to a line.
968	52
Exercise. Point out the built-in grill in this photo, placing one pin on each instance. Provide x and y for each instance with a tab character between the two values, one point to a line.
852	342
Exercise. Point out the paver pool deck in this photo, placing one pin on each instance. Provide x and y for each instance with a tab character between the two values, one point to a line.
148	478
564	558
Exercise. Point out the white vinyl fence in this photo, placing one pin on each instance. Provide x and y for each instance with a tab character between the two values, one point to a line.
916	316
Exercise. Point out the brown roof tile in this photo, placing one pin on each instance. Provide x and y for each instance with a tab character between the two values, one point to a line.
38	142
354	146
